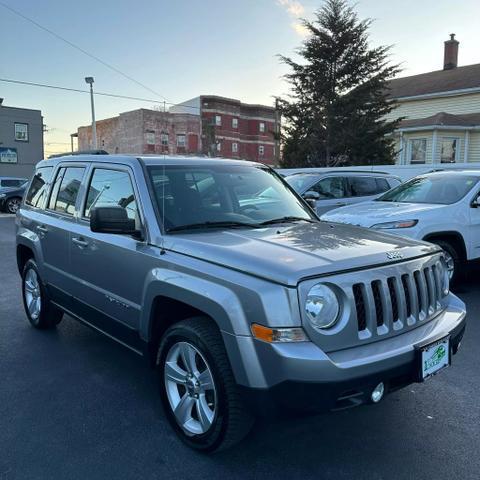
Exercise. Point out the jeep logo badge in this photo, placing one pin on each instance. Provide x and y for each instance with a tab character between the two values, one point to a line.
394	255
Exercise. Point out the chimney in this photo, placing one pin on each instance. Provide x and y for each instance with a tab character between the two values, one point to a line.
450	59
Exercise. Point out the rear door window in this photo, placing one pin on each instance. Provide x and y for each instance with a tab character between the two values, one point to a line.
65	190
363	186
37	193
383	185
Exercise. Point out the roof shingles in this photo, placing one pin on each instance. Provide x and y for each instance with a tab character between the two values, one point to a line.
435	82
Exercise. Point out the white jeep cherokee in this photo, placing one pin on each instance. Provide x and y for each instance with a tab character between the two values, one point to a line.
441	207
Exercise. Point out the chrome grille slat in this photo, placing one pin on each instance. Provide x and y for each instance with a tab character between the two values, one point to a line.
414	299
422	289
431	290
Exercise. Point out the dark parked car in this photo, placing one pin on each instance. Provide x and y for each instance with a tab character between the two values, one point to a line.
11	198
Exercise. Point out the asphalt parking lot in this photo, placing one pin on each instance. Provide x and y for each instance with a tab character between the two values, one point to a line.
74	404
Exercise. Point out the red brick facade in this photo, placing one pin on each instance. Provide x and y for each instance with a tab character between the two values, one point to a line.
235	130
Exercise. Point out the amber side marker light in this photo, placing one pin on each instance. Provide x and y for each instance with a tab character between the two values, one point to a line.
278	335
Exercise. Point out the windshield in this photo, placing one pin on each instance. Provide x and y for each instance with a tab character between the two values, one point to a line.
223	196
436	189
299	182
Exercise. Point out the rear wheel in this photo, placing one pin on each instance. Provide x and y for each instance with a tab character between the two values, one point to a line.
41	313
198	390
13	204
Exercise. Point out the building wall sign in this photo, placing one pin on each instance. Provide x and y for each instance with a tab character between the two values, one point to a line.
8	155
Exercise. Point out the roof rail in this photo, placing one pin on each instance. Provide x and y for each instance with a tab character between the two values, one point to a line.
80	152
318	172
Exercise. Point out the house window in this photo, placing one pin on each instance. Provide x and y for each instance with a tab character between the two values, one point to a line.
235	123
449	149
150	137
164	139
234	147
21	132
261	127
219	146
261	150
418	150
181	140
218	120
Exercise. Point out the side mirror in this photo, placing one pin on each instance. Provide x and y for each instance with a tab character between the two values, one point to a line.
112	220
475	202
311	198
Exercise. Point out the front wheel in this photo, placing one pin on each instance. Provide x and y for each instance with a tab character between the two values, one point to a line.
453	261
198	390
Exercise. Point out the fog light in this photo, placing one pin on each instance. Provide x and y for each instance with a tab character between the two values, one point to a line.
378	392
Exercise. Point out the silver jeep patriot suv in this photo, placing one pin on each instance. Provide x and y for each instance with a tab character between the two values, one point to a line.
223	277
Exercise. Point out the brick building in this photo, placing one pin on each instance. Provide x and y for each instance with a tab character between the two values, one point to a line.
205	125
145	131
234	129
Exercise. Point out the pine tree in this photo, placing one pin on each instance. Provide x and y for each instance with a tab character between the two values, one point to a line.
335	114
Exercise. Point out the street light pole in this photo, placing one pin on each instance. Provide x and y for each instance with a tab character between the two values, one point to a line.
90	81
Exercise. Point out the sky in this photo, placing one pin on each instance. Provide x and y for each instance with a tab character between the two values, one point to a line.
181	49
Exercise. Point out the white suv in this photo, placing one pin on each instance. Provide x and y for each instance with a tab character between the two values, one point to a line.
442	208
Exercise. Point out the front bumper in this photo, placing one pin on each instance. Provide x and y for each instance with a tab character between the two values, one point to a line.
300	376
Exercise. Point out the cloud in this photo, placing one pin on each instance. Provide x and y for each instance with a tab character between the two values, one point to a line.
295	9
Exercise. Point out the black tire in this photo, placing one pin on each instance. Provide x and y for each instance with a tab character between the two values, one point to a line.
49	316
232	421
12	205
458	260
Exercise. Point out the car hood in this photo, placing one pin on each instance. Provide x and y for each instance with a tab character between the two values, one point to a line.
287	255
367	214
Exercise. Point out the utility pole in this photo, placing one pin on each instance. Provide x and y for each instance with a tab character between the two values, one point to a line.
90	81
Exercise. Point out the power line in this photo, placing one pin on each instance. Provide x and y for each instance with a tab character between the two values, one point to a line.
103	94
80	49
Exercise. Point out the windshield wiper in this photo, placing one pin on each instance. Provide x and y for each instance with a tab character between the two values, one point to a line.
287	220
197	226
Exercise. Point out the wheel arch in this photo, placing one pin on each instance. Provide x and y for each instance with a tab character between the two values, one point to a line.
24	253
171	297
453	237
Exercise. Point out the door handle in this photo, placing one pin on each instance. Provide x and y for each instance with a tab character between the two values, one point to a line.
81	243
42	228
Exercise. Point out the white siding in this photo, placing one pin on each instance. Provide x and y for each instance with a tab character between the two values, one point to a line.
474	147
458	105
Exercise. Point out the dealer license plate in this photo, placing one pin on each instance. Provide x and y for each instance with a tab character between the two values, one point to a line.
435	357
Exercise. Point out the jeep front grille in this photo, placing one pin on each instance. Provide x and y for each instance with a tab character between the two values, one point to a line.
394	302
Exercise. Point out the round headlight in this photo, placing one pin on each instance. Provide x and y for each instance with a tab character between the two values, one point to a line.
322	307
444	277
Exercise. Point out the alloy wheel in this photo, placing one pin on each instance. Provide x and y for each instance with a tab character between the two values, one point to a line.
13	205
450	263
32	293
190	388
